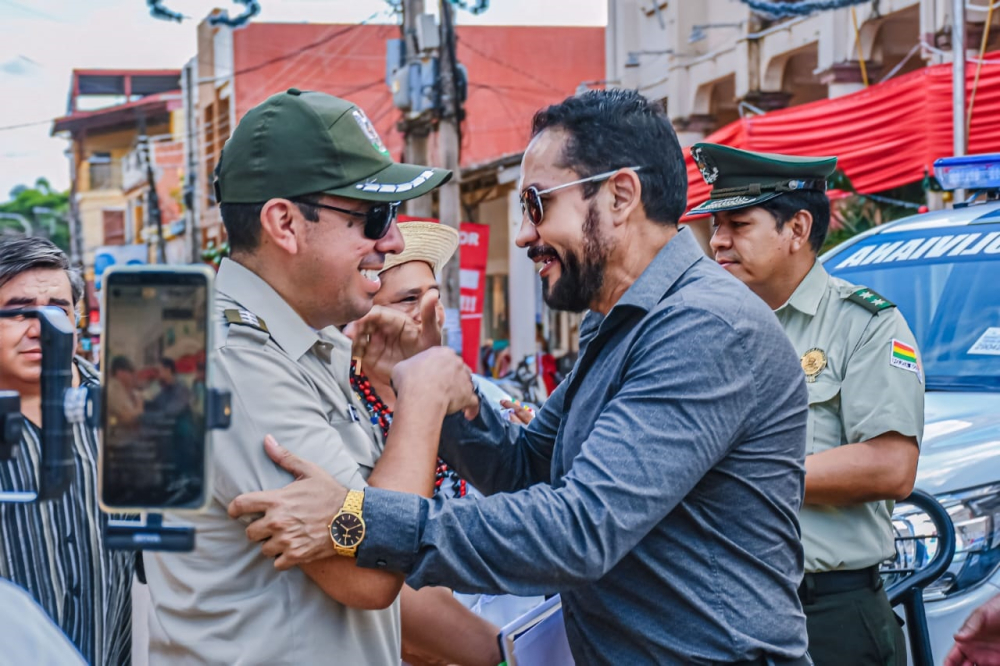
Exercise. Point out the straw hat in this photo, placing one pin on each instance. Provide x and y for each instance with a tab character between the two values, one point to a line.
430	242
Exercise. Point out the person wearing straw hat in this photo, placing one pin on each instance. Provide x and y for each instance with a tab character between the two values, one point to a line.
308	195
407	279
866	394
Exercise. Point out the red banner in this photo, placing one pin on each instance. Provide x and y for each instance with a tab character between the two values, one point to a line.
884	136
474	243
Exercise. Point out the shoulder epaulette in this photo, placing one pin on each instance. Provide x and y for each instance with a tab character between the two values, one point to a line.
870	300
244	318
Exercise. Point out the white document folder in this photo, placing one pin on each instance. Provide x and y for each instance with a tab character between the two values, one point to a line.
537	638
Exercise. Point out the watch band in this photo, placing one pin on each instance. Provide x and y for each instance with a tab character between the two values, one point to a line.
354	502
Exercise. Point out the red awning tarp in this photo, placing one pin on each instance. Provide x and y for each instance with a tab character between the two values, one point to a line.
884	136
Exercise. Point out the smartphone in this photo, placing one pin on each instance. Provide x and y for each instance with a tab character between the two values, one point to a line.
155	377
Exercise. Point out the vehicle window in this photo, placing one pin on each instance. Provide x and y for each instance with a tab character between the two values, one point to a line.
946	282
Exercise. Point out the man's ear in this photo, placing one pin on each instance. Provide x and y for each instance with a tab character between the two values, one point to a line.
801	226
626	193
277	221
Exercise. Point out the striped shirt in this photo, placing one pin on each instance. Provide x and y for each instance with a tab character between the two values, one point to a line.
55	549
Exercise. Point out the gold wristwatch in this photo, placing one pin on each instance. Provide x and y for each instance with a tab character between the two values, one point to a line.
347	529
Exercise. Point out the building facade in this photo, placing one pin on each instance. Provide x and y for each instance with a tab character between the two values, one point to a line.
123	128
713	61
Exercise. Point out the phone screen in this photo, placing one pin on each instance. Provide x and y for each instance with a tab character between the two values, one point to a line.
155	390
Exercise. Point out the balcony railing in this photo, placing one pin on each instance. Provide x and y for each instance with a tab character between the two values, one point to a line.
105	176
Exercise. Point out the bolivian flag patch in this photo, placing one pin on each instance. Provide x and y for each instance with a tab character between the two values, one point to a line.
904	356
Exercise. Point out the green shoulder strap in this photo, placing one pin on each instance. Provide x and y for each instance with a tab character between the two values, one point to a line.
870	300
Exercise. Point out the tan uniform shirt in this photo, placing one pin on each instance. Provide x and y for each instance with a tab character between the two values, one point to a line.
855	348
225	603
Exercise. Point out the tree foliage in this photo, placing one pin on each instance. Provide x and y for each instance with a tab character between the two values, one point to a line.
43	211
858	213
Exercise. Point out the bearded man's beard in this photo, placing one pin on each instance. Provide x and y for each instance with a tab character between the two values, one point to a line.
581	279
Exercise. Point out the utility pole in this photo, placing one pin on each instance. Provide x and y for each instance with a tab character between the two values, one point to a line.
958	83
449	147
191	199
152	198
429	88
416	130
75	225
76	228
958	75
154	206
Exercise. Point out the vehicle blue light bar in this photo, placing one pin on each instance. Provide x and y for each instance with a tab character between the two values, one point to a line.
971	172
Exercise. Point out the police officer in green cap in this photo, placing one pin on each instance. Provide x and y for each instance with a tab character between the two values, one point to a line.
866	393
308	196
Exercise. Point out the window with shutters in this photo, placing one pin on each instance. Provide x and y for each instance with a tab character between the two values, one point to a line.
114	227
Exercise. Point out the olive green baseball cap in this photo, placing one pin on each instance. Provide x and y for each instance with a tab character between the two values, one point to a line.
301	142
741	178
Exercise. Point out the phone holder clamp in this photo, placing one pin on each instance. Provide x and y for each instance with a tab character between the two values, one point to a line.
149	532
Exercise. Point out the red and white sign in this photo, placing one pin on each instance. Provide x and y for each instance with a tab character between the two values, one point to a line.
474	241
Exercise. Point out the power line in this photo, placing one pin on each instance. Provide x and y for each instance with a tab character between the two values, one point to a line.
511	67
344	93
31	124
246	70
288	56
300	61
32	10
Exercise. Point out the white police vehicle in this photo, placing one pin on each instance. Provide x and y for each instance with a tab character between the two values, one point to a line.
942	270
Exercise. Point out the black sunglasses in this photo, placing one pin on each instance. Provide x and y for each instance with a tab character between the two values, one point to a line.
531	197
377	219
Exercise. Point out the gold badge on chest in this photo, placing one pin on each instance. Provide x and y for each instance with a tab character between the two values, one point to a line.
813	362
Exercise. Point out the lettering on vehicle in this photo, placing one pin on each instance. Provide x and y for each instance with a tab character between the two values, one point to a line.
933	247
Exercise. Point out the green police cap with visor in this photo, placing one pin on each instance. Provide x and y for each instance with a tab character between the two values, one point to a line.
301	142
740	178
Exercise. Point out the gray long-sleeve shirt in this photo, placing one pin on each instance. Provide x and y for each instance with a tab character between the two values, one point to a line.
657	490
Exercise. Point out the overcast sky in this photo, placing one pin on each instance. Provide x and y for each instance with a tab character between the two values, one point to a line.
41	41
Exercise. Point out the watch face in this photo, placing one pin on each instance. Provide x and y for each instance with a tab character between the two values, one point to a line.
347	530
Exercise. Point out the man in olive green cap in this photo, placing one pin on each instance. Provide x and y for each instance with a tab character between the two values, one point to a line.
866	394
308	196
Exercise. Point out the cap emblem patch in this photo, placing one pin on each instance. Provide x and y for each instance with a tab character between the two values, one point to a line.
708	170
369	131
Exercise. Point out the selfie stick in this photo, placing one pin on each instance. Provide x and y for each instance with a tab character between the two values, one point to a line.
149	532
62	407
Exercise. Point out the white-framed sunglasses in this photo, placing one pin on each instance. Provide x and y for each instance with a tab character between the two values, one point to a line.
531	197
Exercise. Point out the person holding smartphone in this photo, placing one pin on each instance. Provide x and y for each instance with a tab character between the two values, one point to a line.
308	197
55	549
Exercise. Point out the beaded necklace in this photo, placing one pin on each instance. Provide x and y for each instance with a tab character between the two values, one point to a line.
381	416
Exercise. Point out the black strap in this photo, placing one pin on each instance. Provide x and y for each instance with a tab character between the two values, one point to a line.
140	568
834	582
804	660
756	189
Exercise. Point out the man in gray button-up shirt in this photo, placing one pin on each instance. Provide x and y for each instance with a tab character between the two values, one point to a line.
658	488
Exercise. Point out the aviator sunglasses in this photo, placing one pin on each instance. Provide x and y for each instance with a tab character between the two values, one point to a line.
377	219
531	197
